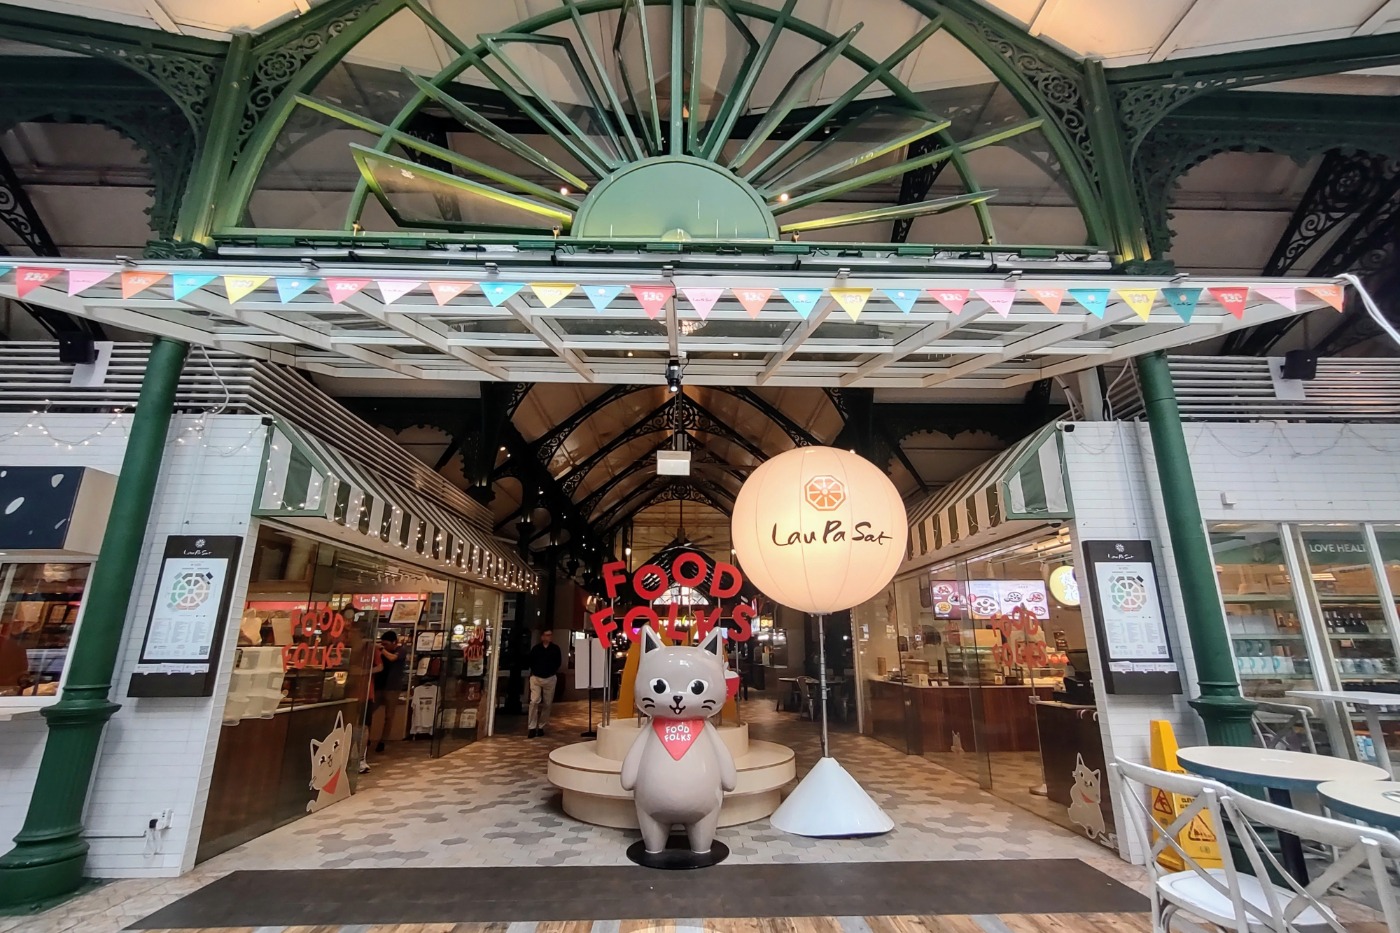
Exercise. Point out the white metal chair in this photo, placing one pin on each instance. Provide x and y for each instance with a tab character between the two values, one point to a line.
1283	726
1299	907
1221	896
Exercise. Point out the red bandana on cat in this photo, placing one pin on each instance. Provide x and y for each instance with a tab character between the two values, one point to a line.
677	735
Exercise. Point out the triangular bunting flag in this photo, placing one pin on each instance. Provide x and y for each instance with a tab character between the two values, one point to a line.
753	299
289	288
1140	300
602	295
134	283
951	298
1001	299
1182	301
1285	295
241	286
498	292
391	290
702	299
1093	300
1332	294
29	278
340	289
5	270
551	293
446	291
181	286
653	297
1232	299
80	280
903	298
803	300
1050	297
852	300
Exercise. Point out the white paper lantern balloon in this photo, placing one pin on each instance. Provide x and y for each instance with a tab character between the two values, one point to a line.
819	529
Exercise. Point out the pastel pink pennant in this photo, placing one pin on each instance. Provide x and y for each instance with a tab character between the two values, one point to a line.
1001	299
80	280
393	289
951	298
1285	295
702	299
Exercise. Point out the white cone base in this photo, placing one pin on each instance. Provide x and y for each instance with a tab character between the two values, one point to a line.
828	802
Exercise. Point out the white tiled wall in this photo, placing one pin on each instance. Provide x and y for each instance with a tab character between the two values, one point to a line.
1271	472
157	753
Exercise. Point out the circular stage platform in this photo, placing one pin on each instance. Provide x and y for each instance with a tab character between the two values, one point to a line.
589	775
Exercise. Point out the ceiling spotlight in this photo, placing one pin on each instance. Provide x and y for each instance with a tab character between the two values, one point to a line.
783	197
564	190
673	375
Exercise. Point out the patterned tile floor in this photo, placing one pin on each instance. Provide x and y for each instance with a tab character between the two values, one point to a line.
490	805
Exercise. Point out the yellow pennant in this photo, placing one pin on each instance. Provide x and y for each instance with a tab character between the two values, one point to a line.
241	286
852	299
551	293
1140	300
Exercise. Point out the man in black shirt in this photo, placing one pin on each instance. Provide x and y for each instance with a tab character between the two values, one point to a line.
545	661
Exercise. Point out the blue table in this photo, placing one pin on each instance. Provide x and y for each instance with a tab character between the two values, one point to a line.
1281	774
1376	803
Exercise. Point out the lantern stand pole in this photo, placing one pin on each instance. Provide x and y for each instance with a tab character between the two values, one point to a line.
590	732
821	659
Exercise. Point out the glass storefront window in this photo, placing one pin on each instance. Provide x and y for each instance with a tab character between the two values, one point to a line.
1358	641
1266	631
38	613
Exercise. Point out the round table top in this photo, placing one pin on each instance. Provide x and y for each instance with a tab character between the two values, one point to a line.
1260	767
1373	802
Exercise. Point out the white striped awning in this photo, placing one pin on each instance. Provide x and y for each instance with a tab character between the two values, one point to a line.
306	478
1025	481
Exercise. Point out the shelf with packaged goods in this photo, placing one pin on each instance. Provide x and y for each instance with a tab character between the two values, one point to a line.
1249	636
1369	679
1275	676
1359	636
1346	599
1258	598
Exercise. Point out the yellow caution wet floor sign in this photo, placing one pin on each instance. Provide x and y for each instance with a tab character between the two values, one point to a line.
1198	838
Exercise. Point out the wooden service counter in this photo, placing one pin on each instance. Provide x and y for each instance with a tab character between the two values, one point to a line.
924	719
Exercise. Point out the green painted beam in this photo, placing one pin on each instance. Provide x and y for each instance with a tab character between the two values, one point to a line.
50	851
1225	713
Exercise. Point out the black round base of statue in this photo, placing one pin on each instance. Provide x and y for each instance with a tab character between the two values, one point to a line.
677	855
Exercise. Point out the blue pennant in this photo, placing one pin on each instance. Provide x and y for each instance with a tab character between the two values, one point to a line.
1095	300
1182	301
602	295
903	298
498	292
5	270
803	299
287	289
186	282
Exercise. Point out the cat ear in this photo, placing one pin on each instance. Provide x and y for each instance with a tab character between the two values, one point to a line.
339	721
650	640
315	747
711	642
1079	761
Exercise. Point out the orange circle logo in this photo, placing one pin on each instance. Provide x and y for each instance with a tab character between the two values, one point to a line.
825	493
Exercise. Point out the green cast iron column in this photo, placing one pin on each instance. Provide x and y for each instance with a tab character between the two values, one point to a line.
1225	713
47	860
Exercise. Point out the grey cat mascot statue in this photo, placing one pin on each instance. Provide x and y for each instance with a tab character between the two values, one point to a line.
678	768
